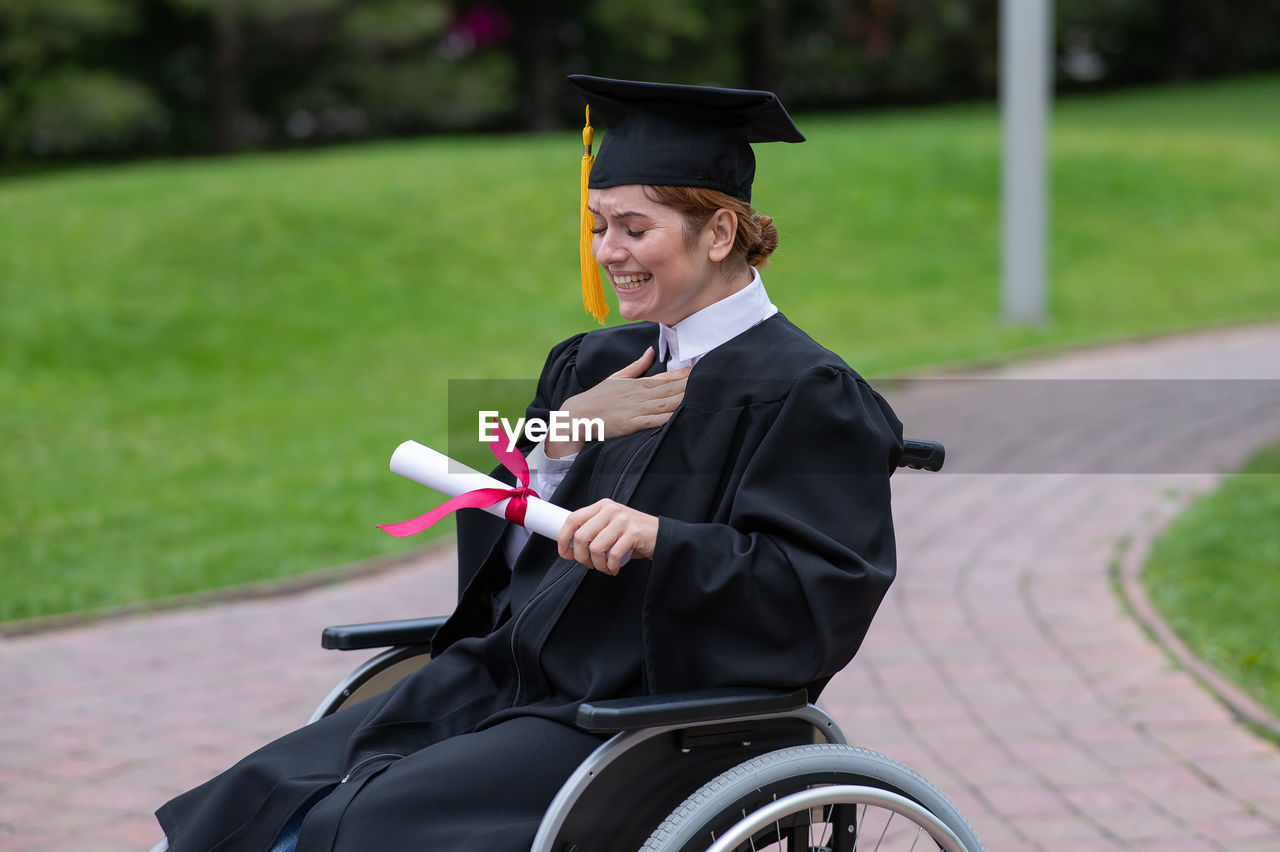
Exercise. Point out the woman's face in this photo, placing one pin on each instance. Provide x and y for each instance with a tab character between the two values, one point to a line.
656	273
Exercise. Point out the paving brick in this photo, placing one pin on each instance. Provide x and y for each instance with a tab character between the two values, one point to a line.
1211	739
1235	826
136	833
40	841
1178	841
1133	759
1051	831
1253	844
1020	800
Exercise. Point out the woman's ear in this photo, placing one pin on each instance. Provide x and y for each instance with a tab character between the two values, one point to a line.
723	229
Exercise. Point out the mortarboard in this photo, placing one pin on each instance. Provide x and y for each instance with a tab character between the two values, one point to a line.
663	134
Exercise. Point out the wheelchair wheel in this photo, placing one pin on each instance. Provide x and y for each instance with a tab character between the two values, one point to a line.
819	798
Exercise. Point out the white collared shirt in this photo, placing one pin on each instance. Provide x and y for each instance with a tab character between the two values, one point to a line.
684	343
680	345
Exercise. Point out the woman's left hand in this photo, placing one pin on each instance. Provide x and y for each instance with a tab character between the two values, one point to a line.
601	535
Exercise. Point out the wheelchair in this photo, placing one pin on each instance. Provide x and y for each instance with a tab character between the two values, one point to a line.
726	769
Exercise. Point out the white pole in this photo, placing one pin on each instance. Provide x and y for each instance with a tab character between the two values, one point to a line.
1025	93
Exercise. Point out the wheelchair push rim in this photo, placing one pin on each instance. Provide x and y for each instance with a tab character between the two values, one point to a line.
781	815
739	809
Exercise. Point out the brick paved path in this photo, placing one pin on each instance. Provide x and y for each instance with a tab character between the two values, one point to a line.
1003	665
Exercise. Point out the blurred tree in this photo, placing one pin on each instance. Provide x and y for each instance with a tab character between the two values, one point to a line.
870	52
59	91
763	44
273	72
72	112
669	40
93	77
1118	42
546	36
413	65
236	47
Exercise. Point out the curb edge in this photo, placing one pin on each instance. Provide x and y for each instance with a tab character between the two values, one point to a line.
1134	595
253	590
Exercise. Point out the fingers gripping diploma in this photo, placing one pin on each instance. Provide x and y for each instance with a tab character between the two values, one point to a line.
603	535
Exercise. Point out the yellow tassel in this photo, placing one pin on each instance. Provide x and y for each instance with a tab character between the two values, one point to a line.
592	287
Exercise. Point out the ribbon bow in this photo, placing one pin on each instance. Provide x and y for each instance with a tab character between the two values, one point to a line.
481	498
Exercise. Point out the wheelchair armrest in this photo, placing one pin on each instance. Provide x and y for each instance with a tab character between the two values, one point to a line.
381	634
685	708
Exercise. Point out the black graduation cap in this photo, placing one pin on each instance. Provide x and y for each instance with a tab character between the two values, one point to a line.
664	134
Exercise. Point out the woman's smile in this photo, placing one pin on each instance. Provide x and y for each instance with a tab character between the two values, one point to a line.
629	281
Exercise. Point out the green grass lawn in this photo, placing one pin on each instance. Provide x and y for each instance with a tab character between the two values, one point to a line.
204	365
1214	576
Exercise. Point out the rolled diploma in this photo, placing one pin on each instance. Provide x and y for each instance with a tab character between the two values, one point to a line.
436	470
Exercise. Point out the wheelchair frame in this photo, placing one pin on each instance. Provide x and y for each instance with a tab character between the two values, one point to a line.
664	748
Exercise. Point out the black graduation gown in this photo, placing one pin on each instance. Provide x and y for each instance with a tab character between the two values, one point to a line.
775	547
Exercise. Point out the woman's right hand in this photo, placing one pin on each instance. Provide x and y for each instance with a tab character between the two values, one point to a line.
627	401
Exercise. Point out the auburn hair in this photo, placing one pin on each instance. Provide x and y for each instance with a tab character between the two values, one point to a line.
756	238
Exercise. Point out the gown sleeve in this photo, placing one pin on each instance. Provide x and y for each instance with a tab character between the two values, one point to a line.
558	381
783	593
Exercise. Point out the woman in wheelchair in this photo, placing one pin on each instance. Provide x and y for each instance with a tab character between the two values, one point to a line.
731	529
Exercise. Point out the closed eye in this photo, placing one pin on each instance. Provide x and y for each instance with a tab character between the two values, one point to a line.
630	233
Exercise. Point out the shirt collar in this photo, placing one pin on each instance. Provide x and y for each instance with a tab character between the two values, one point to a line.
697	334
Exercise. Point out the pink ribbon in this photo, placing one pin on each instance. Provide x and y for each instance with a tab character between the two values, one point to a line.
481	498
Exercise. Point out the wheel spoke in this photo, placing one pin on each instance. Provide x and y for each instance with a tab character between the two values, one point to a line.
886	830
828	826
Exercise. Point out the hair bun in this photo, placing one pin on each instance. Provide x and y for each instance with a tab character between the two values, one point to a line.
764	242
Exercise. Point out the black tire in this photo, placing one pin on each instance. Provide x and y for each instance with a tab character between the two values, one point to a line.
725	800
